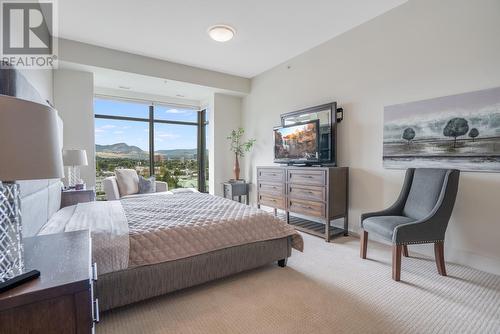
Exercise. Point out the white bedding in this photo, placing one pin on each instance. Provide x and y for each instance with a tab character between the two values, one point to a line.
109	231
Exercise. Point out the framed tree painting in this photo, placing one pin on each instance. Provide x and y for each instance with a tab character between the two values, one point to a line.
458	131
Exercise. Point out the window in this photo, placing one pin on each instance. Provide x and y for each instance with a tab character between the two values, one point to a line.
121	108
169	113
176	155
154	139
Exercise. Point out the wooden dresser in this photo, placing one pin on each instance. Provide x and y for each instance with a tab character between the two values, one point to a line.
61	300
320	193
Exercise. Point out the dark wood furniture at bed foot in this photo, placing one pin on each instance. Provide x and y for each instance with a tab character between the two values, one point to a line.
320	193
61	300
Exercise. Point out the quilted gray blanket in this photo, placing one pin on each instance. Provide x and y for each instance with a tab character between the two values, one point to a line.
170	227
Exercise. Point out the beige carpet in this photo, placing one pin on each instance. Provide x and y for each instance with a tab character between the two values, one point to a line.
327	289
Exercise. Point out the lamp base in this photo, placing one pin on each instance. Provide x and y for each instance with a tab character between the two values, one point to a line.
11	248
73	176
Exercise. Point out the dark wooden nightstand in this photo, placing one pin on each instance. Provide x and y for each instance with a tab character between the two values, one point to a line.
232	189
61	300
72	197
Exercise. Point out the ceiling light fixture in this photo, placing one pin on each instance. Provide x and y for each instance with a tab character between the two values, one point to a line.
221	33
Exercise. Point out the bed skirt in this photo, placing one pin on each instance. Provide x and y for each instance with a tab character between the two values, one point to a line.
128	286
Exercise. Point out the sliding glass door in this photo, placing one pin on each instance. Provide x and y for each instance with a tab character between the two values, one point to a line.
166	141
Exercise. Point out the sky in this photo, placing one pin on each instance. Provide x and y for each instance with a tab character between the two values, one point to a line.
167	136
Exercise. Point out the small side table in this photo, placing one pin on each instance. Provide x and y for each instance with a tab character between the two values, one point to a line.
72	196
232	189
62	299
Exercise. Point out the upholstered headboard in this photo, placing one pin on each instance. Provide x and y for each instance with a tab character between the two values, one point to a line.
40	199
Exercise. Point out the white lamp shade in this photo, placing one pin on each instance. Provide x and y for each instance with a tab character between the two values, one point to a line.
29	141
75	158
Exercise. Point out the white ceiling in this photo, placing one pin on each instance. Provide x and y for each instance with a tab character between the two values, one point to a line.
269	32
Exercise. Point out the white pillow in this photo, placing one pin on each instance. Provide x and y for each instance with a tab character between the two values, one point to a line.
128	181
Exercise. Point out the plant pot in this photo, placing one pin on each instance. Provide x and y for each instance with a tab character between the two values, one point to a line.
236	168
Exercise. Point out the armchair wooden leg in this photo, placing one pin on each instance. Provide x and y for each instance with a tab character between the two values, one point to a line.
405	251
396	262
363	244
439	253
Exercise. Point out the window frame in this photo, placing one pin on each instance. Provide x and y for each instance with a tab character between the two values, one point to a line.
200	125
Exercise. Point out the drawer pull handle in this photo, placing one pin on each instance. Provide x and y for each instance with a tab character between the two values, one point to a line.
94	271
96	310
302	206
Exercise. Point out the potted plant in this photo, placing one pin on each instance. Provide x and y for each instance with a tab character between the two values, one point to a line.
239	148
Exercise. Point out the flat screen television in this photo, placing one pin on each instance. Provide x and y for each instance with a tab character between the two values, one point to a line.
297	143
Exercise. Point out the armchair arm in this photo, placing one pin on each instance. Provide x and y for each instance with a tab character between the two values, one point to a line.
397	208
433	227
111	188
161	186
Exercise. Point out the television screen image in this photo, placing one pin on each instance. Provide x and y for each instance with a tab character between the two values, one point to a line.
296	143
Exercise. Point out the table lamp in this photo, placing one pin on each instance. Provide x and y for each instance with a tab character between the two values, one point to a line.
29	150
74	159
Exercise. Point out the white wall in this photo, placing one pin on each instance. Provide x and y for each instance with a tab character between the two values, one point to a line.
423	49
42	81
224	115
74	99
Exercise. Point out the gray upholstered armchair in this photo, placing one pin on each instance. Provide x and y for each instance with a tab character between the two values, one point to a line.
420	215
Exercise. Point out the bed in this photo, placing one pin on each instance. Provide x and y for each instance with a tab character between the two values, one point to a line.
150	245
133	238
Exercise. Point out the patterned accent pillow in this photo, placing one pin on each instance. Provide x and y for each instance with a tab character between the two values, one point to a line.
147	186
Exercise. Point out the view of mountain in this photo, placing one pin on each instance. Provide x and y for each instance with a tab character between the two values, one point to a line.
178	153
118	148
122	150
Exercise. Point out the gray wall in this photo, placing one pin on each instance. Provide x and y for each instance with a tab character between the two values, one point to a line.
420	50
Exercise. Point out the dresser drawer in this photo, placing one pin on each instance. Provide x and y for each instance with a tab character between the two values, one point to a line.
308	177
271	189
306	207
272	201
271	174
312	193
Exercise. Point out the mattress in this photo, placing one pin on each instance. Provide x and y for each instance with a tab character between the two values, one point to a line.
146	230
